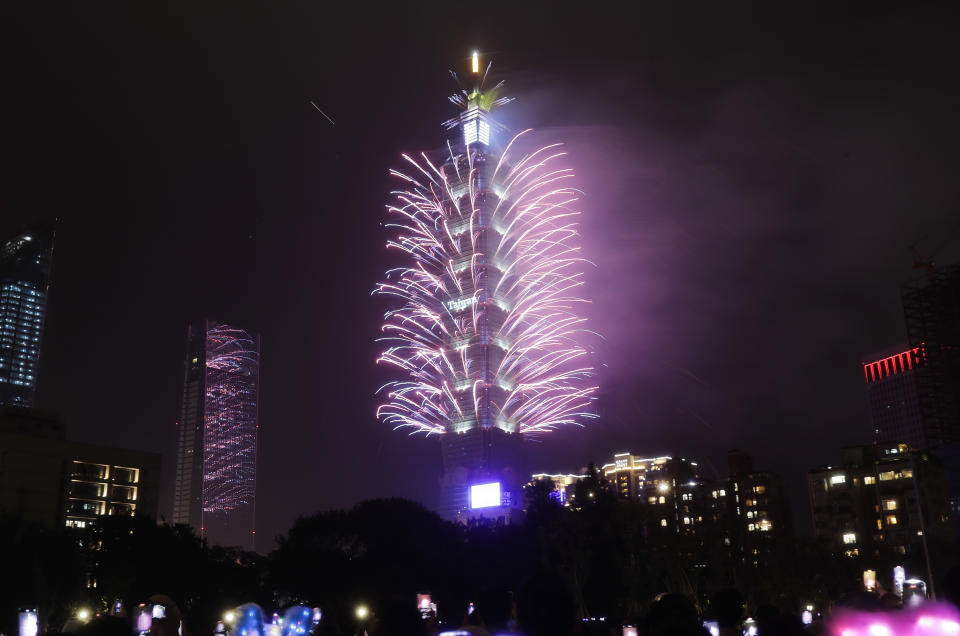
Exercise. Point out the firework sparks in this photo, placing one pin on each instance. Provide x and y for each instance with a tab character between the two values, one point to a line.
485	324
230	419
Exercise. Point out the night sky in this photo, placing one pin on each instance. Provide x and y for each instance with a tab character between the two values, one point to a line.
753	182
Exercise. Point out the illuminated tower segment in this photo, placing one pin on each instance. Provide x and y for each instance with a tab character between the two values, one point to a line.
486	329
230	433
216	462
25	260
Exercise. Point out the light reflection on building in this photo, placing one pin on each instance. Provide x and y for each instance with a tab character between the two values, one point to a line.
216	462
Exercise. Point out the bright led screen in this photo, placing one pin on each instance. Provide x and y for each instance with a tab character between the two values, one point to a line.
485	495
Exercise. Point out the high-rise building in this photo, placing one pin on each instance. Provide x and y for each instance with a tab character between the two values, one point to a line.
880	499
25	260
931	308
484	326
215	480
891	379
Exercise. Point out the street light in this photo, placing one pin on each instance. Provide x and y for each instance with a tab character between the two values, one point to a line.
229	617
362	611
83	614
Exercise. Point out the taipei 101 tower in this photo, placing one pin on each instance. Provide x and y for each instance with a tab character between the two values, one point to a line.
483	325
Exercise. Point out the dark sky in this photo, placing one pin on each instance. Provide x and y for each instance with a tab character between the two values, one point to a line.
754	180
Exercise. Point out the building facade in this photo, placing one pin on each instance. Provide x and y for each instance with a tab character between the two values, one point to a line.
215	478
51	481
482	456
880	499
678	497
626	475
931	308
757	507
25	261
891	381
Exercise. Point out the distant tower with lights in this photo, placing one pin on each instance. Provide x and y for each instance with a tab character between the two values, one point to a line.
25	260
215	481
486	332
891	382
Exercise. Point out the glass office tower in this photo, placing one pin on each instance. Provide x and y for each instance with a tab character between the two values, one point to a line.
25	260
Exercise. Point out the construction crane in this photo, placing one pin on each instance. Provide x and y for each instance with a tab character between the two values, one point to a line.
927	261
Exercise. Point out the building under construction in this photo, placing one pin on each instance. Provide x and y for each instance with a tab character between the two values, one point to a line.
931	308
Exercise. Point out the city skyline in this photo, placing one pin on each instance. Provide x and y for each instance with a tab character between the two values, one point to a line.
750	215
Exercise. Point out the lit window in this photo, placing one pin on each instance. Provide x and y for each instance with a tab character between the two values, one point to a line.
879	525
765	525
749	514
714	493
751	527
686	521
723	493
484	135
907	474
759	489
663	500
887	475
869	479
849	537
470	134
891	520
890	504
663	522
838	479
653	500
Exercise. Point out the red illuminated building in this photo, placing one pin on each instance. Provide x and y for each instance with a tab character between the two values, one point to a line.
892	393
